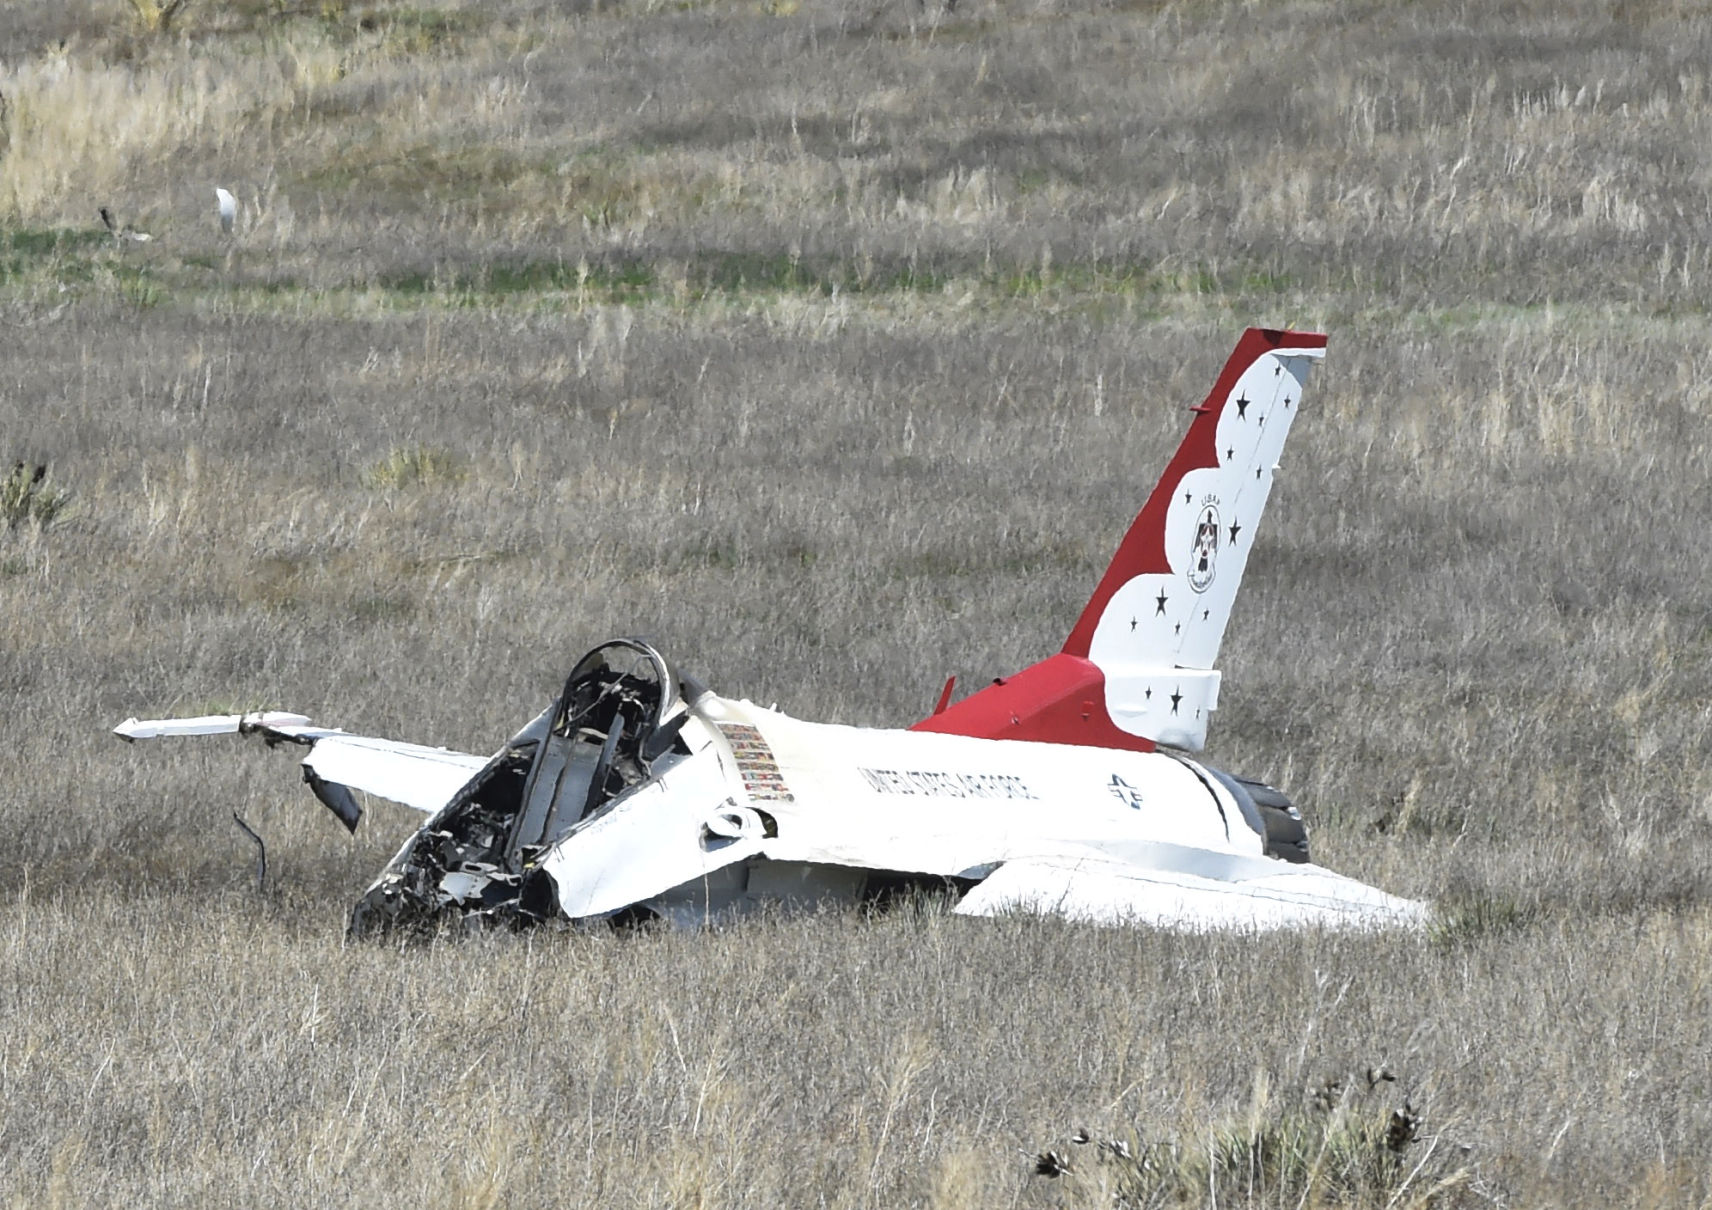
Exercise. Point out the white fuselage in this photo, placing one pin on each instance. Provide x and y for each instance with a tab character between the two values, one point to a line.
760	787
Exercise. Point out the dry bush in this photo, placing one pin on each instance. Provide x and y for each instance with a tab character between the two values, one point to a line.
405	466
28	497
1354	1140
158	16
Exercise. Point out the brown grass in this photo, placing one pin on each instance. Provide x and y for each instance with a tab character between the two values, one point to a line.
833	346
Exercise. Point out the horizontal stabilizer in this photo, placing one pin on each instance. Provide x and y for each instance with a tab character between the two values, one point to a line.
410	774
1248	893
207	724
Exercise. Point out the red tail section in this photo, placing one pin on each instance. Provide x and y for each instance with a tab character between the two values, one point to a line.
1137	669
1061	700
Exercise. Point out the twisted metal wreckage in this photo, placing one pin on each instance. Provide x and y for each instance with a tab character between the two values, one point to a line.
639	793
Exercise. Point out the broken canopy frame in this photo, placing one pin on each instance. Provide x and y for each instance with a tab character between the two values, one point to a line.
601	737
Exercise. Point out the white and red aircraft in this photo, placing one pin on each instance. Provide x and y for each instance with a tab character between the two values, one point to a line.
639	794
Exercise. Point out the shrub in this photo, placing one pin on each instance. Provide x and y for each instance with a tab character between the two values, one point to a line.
157	16
26	495
411	465
1354	1142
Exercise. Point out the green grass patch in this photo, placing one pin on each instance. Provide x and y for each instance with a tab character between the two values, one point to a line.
50	241
511	279
84	257
66	253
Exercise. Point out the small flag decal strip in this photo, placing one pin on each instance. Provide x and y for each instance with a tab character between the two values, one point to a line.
756	764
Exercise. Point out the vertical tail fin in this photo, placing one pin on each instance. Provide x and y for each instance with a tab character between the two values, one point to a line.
1177	569
1157	619
1137	668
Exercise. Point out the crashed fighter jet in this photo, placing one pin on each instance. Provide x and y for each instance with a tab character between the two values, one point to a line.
641	794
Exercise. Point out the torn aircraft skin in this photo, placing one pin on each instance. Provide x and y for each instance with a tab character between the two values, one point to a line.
1067	788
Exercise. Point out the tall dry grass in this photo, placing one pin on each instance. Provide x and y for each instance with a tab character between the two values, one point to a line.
1384	152
834	347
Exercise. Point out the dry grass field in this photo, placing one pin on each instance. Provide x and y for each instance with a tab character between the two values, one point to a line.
833	343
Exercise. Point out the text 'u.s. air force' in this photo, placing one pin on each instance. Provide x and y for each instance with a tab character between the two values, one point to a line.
947	785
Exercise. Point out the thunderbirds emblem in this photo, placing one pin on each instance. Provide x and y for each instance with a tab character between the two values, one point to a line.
1206	547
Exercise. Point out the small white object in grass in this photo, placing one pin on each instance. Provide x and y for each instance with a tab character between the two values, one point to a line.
228	209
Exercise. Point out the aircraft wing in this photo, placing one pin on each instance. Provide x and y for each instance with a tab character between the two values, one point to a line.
338	762
1240	893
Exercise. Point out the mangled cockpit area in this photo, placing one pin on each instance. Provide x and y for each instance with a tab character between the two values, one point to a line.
605	734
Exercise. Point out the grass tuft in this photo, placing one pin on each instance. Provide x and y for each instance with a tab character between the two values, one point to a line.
28	497
158	16
1460	920
1354	1141
414	466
